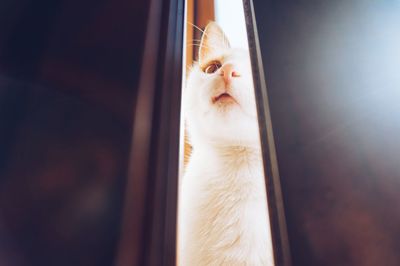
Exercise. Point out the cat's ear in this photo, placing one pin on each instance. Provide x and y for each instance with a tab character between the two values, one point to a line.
212	41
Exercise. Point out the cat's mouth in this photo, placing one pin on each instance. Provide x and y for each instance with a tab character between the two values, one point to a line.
223	98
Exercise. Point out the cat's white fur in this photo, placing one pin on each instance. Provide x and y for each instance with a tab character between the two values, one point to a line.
223	217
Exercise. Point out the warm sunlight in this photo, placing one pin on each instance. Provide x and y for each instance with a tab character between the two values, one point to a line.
235	29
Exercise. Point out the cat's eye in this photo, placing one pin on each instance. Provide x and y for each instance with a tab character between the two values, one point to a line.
212	67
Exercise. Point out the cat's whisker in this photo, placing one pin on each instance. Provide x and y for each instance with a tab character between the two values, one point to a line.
198	42
197	28
208	46
198	45
193	43
201	45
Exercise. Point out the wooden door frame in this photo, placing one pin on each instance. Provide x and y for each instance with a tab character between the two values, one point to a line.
276	209
148	234
199	13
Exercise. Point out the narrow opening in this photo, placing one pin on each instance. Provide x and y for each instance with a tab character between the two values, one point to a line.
223	216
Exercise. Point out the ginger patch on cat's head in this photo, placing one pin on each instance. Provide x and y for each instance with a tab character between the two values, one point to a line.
212	42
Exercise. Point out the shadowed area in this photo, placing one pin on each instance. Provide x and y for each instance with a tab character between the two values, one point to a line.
68	77
332	73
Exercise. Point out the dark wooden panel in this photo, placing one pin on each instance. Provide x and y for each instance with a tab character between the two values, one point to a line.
62	179
149	226
333	77
89	49
69	72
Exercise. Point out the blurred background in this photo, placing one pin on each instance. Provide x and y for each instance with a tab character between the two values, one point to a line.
68	77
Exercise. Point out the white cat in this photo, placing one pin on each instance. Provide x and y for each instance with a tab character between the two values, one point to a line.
223	217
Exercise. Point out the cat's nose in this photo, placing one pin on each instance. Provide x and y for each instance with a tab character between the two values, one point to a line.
227	71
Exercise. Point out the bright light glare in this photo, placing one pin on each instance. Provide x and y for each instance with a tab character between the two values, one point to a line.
229	15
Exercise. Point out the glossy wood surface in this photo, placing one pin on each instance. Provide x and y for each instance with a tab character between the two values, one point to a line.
332	70
149	226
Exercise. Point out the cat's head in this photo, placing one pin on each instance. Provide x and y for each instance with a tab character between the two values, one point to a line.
219	96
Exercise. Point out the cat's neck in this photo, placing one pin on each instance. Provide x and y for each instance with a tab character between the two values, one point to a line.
230	151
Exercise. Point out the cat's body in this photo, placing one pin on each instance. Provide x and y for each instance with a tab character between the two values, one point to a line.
224	214
223	217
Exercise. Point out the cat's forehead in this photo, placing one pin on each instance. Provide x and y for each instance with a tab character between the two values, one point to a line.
227	55
235	54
